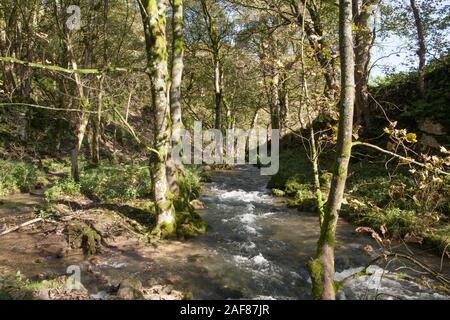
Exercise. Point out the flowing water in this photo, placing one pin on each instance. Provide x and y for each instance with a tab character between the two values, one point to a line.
255	248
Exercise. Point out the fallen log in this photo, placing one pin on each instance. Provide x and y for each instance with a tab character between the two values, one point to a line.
21	226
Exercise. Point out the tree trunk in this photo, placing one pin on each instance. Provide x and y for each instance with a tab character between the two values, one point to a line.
270	66
322	267
255	119
177	65
218	91
274	100
284	104
96	130
314	33
173	170
214	39
154	20
83	120
422	50
363	11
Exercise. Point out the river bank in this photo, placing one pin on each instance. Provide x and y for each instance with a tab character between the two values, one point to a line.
255	248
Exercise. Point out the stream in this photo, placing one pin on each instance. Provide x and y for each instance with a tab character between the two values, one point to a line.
255	248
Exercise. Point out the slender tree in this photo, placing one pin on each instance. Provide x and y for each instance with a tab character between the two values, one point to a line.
177	64
215	46
322	267
175	90
363	12
422	50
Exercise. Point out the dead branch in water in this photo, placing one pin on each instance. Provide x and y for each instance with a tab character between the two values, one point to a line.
21	226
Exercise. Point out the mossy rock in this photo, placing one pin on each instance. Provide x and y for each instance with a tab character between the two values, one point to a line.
304	200
190	224
278	192
293	185
83	236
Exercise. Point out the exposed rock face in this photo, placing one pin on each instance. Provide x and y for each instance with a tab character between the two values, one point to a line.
430	127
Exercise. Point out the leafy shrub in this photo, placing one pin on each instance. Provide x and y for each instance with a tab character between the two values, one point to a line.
189	185
113	183
66	187
188	222
293	185
57	166
20	176
304	199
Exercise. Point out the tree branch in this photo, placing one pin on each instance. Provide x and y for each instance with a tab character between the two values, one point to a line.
101	70
406	159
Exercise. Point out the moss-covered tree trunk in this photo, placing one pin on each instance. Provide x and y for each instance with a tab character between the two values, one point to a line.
363	12
274	100
154	20
322	267
315	165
